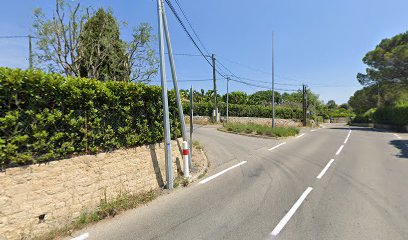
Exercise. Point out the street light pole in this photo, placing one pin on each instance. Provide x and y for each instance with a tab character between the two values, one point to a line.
273	82
228	79
166	120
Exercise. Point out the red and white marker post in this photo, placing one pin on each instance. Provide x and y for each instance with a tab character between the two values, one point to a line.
185	159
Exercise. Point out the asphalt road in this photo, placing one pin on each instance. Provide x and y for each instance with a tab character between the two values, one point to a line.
268	189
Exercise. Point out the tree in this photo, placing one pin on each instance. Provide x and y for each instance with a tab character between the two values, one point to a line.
58	38
237	97
264	98
77	42
331	104
387	63
102	53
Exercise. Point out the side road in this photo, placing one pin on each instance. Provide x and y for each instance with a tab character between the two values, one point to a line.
261	188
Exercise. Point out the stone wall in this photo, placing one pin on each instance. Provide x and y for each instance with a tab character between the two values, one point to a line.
264	121
204	120
61	190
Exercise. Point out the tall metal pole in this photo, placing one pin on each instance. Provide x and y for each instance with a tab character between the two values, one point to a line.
166	120
191	126
174	76
30	52
215	88
273	81
227	97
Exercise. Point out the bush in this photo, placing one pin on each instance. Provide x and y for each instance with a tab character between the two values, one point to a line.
237	110
257	129
394	115
46	116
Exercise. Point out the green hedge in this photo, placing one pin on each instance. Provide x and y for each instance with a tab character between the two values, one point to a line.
237	110
397	115
46	116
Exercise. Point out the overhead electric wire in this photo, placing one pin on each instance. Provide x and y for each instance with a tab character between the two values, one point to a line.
16	36
192	28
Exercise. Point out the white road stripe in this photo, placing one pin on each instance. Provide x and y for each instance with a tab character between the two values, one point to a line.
345	141
289	214
270	149
301	135
397	136
222	172
313	130
325	169
341	148
81	237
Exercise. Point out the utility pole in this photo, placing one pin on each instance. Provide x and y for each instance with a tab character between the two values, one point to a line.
174	77
228	79
191	125
166	120
30	52
304	104
273	81
215	88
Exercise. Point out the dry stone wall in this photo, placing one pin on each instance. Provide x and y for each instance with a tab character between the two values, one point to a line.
38	198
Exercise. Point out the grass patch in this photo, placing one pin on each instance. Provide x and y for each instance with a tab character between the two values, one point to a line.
197	145
105	209
252	128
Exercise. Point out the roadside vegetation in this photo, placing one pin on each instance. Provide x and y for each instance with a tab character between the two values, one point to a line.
384	98
106	209
256	129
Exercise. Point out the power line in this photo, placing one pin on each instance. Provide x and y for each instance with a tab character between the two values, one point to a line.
15	36
189	23
186	31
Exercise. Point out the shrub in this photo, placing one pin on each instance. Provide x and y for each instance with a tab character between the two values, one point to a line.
394	115
257	129
47	116
237	110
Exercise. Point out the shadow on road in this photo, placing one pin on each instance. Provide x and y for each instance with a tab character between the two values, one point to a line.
402	145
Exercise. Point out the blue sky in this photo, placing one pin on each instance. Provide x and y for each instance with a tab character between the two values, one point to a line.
319	42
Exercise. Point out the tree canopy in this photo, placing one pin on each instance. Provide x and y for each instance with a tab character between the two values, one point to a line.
387	63
76	41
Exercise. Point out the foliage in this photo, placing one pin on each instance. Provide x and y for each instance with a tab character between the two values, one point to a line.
102	54
47	116
394	115
257	129
331	104
77	42
387	62
237	97
264	98
238	110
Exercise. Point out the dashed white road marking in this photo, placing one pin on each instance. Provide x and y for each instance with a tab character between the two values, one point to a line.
289	214
301	135
222	172
313	130
325	169
81	237
270	149
398	136
347	138
341	148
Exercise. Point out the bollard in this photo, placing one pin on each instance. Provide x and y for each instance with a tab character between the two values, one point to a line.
185	159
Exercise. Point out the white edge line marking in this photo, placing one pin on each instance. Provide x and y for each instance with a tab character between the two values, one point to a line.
81	237
270	149
347	138
301	135
289	214
341	148
222	172
397	136
325	169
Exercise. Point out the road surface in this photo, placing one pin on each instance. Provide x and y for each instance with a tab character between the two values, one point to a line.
331	183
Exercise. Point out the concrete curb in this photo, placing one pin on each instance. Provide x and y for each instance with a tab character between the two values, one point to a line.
203	170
